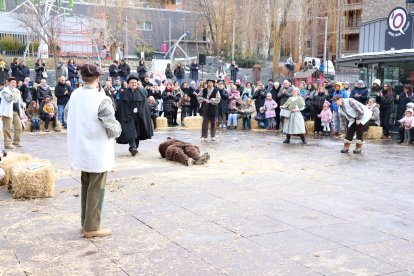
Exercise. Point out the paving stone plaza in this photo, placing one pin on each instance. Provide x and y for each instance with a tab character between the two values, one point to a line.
259	207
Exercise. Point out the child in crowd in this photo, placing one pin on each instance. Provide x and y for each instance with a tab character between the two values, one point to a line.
270	107
326	117
34	116
185	103
232	118
153	105
261	118
408	123
248	109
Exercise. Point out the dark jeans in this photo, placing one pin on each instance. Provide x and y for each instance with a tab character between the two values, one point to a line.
47	120
169	116
246	121
277	110
318	122
154	120
193	110
385	115
359	129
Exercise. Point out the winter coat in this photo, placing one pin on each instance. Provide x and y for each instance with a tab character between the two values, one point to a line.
223	105
247	93
72	71
330	89
26	93
194	71
363	91
375	114
233	95
153	109
326	115
179	72
61	70
402	102
259	96
39	69
113	71
169	101
270	106
60	90
16	71
233	72
43	113
4	74
407	122
168	73
130	100
344	96
124	70
193	98
142	71
25	72
42	92
284	94
274	93
318	101
385	102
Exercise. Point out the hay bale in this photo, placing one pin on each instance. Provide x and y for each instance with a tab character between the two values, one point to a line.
162	122
28	125
310	126
193	122
50	127
7	163
36	183
374	133
254	124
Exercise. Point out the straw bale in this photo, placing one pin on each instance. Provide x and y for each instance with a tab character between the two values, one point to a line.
50	127
162	122
193	122
374	133
310	127
28	125
7	162
37	183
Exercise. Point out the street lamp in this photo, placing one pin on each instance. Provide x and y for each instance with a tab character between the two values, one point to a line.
326	36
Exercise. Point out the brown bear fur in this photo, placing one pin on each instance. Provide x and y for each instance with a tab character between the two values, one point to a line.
178	151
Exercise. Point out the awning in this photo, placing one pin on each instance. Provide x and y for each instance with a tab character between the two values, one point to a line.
375	57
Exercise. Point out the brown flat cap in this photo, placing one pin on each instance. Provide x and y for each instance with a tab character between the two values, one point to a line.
90	70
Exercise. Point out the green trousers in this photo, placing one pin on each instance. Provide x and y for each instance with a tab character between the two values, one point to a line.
93	192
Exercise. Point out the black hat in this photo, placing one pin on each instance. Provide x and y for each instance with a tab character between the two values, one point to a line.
213	81
90	70
11	79
132	77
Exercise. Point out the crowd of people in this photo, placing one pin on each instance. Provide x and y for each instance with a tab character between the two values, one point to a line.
278	107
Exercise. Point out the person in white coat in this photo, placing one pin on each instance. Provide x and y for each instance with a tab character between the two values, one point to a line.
356	115
91	129
10	112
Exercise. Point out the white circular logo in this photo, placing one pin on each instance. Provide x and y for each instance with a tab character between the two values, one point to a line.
397	20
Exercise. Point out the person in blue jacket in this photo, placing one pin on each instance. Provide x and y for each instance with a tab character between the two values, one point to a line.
336	125
360	92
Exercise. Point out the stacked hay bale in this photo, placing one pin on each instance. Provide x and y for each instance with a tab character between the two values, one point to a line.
374	133
50	127
162	122
8	162
310	127
38	182
193	122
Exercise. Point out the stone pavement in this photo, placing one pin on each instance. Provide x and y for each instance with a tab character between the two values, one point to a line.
258	208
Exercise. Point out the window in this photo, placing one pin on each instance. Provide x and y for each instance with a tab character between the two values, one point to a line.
145	26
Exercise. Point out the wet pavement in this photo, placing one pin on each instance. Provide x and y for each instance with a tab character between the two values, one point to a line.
259	207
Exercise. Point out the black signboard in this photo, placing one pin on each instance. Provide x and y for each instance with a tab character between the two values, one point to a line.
400	30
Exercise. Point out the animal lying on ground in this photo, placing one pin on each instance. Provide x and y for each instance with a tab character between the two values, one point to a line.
182	152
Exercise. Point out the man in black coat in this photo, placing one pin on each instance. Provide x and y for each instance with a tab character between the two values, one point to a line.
62	93
124	70
26	91
134	115
209	98
113	71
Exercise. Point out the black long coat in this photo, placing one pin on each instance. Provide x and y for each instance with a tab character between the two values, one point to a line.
125	115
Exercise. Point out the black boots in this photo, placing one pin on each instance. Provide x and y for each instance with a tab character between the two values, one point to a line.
287	141
302	136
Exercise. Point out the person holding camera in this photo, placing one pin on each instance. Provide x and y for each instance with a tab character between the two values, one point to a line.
73	73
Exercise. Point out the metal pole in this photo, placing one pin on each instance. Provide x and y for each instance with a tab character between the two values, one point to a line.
232	45
126	37
326	39
169	33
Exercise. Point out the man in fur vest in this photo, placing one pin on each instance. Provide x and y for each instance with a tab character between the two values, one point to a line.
92	127
356	115
209	98
182	152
